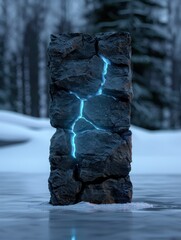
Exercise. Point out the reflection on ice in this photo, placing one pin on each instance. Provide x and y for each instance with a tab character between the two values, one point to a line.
73	234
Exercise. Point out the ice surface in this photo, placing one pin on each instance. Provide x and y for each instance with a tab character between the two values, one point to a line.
26	214
153	152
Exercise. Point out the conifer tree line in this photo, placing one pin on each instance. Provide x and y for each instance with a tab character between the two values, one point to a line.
156	102
25	26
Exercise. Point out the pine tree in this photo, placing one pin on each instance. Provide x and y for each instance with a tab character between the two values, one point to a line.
146	20
4	91
175	23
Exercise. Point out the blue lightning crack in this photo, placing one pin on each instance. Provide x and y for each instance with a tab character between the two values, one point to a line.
82	101
104	72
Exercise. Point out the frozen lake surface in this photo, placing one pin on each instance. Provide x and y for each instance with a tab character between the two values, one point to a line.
25	213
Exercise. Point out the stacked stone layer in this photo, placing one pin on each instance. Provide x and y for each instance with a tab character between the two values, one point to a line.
90	153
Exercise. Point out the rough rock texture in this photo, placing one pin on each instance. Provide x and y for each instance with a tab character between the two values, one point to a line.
90	152
108	113
109	191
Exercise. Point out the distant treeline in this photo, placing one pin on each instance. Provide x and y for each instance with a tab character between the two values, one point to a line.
25	26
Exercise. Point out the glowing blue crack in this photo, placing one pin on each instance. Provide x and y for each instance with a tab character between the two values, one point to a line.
73	125
91	123
80	116
104	72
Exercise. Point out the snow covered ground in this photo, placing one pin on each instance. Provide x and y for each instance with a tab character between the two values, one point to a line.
153	152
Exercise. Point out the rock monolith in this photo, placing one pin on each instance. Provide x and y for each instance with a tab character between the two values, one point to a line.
91	92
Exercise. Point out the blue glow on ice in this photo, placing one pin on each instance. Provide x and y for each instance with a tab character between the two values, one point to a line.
73	237
80	116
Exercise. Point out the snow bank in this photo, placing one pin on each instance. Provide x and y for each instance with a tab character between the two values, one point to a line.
22	120
156	151
153	152
28	157
31	156
12	132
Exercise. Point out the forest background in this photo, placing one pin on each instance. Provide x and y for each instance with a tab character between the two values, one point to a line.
25	28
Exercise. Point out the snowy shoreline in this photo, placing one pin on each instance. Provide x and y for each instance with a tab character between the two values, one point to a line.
155	152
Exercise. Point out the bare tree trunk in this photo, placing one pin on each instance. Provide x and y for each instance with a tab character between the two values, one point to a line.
33	56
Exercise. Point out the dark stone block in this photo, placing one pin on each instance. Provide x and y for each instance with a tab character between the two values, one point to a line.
96	143
62	162
90	153
64	109
63	187
82	125
118	82
115	46
111	157
109	191
108	113
71	74
60	143
72	46
95	168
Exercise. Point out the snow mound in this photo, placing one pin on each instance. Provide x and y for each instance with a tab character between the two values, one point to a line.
30	157
12	132
22	120
156	152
